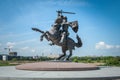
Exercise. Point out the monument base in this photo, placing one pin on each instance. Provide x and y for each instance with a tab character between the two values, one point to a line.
56	66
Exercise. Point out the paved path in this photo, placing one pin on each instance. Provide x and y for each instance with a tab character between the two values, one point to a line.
105	73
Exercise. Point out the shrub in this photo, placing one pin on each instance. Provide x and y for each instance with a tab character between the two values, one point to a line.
112	62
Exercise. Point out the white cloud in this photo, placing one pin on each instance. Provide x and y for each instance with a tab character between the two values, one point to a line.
25	48
117	46
27	41
10	44
103	45
33	50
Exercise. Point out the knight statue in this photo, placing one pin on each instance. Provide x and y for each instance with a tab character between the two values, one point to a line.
59	34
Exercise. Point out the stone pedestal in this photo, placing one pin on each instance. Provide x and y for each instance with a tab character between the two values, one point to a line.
57	66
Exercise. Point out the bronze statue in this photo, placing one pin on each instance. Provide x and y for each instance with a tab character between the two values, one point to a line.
59	34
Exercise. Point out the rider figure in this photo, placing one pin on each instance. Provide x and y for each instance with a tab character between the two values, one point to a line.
65	32
61	21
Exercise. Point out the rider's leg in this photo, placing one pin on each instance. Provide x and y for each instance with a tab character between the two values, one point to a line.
63	38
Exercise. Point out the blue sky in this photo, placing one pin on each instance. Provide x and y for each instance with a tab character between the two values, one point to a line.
99	26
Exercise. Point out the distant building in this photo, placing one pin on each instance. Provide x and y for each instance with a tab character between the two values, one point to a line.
35	57
53	56
4	57
12	53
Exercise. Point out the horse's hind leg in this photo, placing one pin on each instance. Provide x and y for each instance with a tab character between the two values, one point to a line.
64	54
69	54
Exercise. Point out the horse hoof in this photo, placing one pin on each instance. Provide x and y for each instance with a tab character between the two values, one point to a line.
41	39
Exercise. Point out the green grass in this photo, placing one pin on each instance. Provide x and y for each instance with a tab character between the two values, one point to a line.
104	60
6	63
107	60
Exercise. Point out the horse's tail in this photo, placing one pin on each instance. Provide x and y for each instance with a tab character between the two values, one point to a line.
36	29
79	43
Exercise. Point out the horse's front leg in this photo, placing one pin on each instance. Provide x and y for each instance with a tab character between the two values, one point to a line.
41	37
51	44
46	35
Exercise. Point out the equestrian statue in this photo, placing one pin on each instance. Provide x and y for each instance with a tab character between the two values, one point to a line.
59	35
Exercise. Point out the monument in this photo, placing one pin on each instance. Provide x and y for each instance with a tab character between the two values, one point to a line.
59	35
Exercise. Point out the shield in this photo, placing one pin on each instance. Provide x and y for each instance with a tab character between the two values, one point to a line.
74	26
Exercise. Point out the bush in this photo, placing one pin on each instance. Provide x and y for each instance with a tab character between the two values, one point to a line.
75	60
112	62
14	59
89	61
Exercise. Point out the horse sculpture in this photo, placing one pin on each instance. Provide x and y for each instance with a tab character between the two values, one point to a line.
54	35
